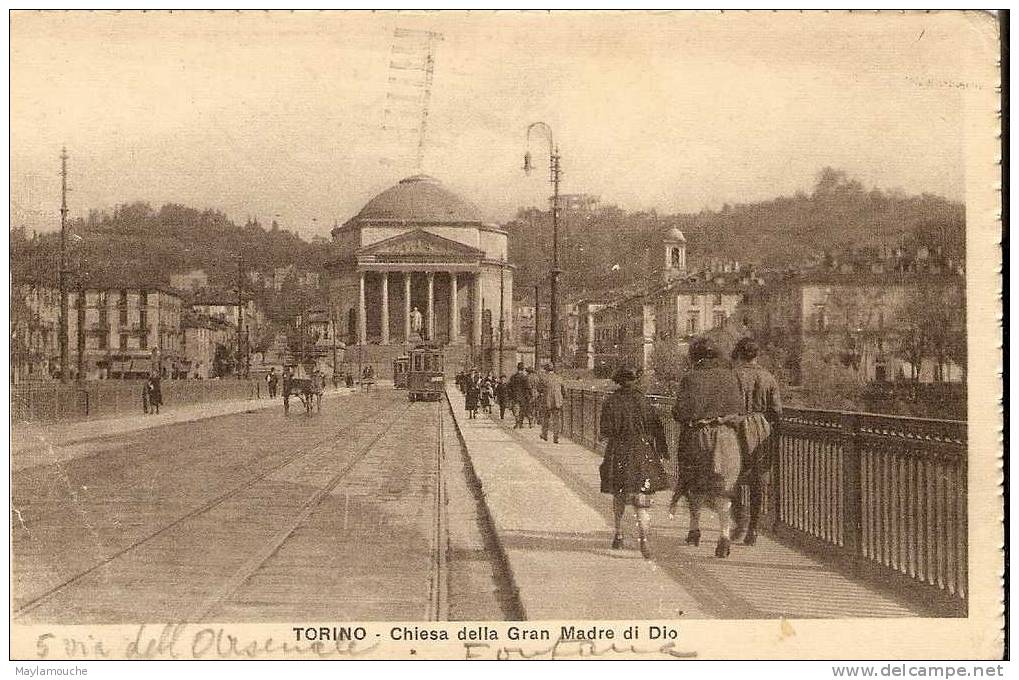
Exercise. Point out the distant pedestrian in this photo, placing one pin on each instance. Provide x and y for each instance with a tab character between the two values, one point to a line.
632	470
272	380
502	396
708	410
472	395
152	394
534	396
762	405
553	394
520	396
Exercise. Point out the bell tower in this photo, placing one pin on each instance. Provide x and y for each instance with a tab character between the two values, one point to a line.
674	250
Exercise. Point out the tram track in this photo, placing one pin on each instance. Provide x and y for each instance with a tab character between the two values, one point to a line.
266	551
320	445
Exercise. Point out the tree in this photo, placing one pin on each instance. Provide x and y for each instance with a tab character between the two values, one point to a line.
934	325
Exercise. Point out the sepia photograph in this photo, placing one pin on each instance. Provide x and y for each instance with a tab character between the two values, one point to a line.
505	334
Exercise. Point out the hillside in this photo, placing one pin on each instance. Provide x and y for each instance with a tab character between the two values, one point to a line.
138	244
838	216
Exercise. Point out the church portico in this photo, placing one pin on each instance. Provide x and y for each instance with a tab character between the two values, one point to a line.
418	264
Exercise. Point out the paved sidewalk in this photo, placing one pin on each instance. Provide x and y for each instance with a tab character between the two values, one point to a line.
41	444
555	527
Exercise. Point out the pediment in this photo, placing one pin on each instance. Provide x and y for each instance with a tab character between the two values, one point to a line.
419	245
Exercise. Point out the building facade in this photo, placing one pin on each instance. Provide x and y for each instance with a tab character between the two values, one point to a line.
419	264
864	321
203	337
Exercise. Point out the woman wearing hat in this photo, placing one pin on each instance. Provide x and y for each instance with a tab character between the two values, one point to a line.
632	470
709	408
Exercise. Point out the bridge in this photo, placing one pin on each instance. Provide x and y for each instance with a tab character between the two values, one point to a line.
390	510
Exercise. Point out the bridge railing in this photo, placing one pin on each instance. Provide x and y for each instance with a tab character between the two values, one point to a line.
49	402
883	495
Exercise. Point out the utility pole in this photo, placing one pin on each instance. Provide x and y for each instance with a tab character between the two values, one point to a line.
62	273
240	312
555	174
554	311
502	290
537	326
81	328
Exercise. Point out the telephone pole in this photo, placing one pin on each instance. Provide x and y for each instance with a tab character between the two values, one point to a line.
502	291
537	326
62	273
240	312
555	173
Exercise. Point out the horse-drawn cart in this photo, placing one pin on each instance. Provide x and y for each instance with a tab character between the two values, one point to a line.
308	389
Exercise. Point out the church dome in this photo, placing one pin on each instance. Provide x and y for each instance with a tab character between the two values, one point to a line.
674	234
419	199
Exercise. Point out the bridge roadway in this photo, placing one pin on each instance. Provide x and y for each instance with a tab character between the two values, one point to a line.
370	510
251	516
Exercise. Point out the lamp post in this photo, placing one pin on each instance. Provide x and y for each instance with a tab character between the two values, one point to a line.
554	175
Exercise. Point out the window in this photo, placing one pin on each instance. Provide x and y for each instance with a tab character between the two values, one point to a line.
143	341
718	299
692	324
718	319
123	341
143	298
694	299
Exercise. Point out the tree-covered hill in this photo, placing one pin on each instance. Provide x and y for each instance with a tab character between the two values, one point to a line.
839	216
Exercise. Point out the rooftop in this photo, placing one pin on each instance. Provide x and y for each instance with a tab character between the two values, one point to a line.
418	199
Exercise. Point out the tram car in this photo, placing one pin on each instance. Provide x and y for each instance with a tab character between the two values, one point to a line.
426	378
401	369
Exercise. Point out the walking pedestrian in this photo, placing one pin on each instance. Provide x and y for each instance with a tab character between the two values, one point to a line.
472	395
154	394
502	396
486	395
272	380
553	394
632	470
520	395
534	396
708	409
762	404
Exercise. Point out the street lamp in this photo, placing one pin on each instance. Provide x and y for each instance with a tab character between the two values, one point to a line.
554	175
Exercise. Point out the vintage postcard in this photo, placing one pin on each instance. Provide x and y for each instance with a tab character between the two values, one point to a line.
505	335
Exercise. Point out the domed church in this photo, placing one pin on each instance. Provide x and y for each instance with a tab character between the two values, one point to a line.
419	264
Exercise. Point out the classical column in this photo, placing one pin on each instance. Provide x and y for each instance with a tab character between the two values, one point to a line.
454	310
476	303
362	331
385	308
407	330
430	317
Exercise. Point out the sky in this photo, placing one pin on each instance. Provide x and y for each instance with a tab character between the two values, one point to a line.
282	115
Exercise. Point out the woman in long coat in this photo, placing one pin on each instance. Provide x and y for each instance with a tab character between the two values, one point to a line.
472	395
708	410
632	470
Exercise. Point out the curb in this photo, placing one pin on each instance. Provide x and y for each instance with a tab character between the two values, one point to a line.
475	482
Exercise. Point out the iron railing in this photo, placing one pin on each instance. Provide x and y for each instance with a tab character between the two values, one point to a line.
53	401
883	495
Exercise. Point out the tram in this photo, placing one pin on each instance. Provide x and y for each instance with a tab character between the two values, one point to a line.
426	379
401	368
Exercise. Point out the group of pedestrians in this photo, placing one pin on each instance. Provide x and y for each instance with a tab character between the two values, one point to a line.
482	393
725	408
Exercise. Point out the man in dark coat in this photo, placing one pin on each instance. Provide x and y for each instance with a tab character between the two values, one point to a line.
502	396
632	469
709	408
154	394
520	395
